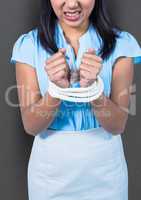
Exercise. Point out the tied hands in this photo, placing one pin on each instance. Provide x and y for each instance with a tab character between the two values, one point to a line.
59	72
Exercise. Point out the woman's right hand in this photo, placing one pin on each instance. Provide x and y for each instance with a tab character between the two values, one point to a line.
58	69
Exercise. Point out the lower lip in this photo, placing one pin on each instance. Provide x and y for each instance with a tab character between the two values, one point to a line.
72	18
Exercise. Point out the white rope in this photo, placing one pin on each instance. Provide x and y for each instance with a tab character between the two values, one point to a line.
86	94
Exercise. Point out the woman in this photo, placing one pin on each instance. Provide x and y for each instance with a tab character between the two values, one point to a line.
77	151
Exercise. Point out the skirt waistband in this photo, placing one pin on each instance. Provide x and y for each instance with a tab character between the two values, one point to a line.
93	131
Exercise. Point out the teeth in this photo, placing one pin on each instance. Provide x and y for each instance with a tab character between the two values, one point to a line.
72	14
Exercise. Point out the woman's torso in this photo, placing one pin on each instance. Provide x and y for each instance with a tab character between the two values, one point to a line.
71	115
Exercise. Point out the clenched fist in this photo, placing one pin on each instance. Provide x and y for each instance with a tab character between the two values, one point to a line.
90	67
58	69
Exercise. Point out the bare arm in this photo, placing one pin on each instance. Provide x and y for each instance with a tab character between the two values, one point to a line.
109	111
37	111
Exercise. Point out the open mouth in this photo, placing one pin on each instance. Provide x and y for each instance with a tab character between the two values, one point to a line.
72	16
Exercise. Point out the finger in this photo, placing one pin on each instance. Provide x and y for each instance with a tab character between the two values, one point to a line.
92	72
85	74
59	75
96	67
86	68
55	63
91	62
84	83
89	75
93	57
57	69
55	56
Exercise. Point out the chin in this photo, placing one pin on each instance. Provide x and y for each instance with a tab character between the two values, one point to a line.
74	24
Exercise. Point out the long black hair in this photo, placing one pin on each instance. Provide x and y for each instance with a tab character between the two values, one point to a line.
99	18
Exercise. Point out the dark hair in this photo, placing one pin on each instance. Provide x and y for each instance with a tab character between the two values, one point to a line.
99	18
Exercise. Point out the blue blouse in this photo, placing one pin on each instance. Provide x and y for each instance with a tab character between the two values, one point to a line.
73	116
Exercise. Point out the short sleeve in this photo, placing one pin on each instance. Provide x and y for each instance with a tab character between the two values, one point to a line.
127	46
24	50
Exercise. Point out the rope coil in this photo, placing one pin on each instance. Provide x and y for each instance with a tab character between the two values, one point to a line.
86	94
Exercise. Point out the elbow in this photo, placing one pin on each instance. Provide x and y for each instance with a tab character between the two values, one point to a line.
29	126
118	131
119	128
29	130
115	130
120	125
27	123
32	128
122	128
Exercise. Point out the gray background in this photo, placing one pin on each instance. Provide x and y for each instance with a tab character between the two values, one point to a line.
17	17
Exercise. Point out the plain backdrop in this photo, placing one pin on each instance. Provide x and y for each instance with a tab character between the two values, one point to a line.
18	17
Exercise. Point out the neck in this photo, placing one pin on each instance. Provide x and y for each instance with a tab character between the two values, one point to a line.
76	32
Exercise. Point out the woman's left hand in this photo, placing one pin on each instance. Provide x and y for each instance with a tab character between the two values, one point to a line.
89	68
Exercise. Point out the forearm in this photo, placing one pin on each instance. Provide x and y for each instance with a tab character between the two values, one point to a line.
39	115
110	115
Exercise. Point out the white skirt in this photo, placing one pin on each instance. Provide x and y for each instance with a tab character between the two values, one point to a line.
80	165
